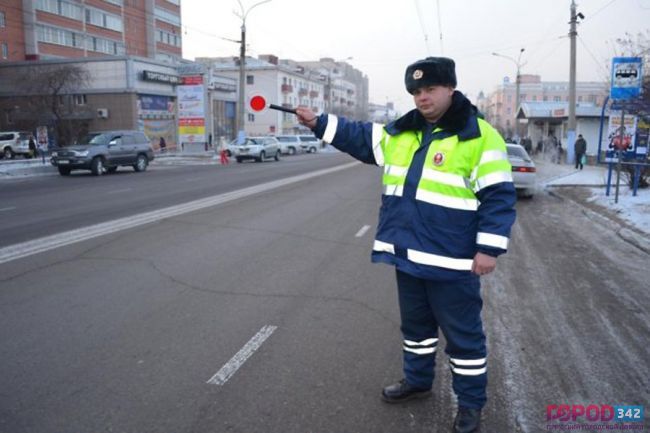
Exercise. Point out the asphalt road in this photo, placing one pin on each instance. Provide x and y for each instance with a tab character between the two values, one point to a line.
123	332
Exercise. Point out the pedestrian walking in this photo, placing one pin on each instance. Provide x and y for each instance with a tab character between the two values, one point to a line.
223	155
580	148
162	145
447	209
32	146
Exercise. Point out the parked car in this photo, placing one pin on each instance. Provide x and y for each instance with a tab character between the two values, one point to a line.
14	143
309	143
289	144
523	170
258	149
105	151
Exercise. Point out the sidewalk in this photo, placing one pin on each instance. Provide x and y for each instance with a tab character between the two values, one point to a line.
629	218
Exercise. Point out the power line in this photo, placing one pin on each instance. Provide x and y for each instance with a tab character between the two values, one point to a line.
422	27
584	45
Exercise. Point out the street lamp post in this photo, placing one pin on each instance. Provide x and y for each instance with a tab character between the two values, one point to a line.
518	82
241	122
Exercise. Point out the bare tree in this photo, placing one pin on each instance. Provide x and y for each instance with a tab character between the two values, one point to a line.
49	91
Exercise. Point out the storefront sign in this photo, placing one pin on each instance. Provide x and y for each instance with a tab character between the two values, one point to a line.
160	77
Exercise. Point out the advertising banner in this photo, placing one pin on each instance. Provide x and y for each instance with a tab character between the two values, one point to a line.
191	110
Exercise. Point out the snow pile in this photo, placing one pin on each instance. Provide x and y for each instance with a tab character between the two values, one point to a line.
635	210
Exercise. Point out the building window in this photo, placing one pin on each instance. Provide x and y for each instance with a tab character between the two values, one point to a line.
167	16
102	19
557	99
534	97
80	99
3	21
250	79
251	117
61	7
106	46
5	50
56	36
169	38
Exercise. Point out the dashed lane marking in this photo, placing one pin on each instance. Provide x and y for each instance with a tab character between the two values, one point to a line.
231	367
362	232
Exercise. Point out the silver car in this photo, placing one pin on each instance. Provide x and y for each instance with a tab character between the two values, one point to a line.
289	144
309	143
257	149
523	170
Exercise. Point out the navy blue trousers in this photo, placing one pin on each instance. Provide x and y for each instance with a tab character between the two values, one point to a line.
454	307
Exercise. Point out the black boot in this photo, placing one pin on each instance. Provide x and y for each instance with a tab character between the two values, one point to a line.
467	420
402	391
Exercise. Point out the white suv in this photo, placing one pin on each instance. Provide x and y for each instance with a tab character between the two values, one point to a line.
14	143
289	144
309	143
258	149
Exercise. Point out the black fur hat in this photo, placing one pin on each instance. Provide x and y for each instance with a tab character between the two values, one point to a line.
432	71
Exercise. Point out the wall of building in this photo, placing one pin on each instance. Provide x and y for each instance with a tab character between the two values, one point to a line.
11	31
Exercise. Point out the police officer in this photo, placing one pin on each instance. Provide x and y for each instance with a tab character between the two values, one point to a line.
447	209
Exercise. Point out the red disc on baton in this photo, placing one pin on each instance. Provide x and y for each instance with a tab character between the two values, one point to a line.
257	103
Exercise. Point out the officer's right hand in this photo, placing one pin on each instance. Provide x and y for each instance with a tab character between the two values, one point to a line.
306	117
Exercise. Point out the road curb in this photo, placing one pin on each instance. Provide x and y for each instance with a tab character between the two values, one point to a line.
636	239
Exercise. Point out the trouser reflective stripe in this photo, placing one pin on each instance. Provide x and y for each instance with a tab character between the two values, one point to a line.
454	307
425	347
468	367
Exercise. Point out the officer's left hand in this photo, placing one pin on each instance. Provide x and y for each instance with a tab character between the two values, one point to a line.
483	264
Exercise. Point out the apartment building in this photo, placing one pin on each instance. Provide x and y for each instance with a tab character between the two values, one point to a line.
500	107
46	29
323	86
347	89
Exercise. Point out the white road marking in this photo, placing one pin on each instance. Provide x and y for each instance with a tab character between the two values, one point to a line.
231	367
17	251
4	209
362	232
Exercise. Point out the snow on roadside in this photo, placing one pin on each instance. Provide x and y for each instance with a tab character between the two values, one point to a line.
635	210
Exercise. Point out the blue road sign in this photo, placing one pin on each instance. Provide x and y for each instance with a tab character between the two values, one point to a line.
627	74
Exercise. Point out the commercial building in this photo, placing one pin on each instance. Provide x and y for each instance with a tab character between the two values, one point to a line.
500	107
542	120
119	93
44	29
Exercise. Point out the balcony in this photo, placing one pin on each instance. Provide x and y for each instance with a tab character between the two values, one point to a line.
313	94
287	88
302	92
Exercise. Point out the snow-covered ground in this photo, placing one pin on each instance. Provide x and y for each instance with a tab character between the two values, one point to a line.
634	210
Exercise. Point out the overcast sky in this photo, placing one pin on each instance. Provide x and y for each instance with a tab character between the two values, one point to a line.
384	36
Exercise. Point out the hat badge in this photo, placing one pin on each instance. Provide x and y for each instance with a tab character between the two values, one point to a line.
438	159
417	74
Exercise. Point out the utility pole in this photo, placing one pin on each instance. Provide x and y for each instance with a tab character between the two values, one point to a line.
573	33
241	121
571	132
